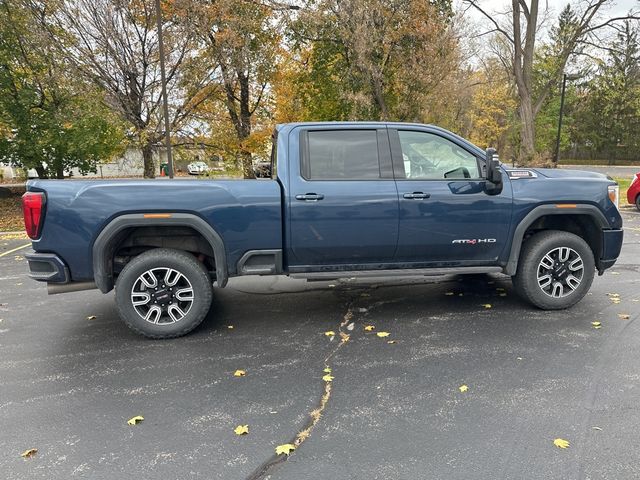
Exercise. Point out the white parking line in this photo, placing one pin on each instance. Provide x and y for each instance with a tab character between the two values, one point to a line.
15	250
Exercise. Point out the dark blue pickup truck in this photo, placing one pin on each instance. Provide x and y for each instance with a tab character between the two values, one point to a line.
344	200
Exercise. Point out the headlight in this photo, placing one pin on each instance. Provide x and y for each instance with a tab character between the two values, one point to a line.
614	195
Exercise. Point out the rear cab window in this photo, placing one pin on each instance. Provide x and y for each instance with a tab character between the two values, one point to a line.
340	155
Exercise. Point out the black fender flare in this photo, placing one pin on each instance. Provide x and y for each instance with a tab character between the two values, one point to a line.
518	235
104	245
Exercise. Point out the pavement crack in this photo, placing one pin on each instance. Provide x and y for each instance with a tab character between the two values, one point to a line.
316	414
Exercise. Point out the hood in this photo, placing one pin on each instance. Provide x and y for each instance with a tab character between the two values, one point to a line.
562	173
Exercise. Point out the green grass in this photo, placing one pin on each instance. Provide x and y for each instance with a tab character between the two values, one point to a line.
600	162
624	184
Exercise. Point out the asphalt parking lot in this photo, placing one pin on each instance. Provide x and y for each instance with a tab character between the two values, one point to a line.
71	375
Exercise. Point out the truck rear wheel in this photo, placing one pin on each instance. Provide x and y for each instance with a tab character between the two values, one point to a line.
555	270
163	293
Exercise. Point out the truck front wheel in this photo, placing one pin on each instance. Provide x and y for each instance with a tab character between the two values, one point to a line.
555	270
163	293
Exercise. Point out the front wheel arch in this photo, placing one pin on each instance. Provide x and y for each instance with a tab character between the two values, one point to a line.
590	217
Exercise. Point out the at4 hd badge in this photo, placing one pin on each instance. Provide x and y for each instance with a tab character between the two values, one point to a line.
474	241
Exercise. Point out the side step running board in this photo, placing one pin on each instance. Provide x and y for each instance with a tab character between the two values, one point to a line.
408	272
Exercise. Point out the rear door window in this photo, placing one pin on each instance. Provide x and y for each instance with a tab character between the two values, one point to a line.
340	155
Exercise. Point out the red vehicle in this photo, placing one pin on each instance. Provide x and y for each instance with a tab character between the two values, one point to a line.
633	194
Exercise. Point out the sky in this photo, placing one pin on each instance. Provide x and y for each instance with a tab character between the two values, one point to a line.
618	7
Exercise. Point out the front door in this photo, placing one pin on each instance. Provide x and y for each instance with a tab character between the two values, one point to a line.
446	216
343	201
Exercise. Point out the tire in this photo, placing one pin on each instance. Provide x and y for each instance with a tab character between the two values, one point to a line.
156	312
638	202
551	258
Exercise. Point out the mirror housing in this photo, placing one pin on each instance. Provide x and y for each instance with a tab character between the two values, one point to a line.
493	172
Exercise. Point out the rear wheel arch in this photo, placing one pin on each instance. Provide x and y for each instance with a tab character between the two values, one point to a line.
117	230
586	221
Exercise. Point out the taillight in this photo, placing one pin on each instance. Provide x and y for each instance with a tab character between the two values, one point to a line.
33	210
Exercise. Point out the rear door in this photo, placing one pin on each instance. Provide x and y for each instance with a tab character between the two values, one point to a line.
446	216
343	201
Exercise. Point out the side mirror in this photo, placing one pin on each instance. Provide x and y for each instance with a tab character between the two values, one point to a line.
493	173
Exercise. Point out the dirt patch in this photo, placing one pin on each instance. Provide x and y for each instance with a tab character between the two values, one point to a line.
11	214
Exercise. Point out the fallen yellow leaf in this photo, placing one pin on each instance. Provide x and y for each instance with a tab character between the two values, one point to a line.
369	328
344	337
486	305
29	453
91	317
596	324
134	420
241	430
624	316
286	449
328	378
229	326
561	443
597	327
327	370
463	388
383	334
330	333
391	341
239	373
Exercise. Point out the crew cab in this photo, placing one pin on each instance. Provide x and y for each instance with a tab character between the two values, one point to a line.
343	200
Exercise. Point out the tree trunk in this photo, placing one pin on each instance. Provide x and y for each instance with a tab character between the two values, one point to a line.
147	157
59	172
527	129
41	171
247	164
378	97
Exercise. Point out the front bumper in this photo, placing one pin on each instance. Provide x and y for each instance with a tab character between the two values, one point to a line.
47	267
611	247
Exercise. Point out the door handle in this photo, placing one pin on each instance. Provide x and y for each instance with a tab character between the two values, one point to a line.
416	195
310	197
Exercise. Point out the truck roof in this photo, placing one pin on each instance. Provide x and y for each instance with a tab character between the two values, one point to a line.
286	127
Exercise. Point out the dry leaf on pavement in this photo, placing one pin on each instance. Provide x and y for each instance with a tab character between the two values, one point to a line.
241	430
29	453
239	373
561	443
135	420
286	449
369	328
463	388
383	334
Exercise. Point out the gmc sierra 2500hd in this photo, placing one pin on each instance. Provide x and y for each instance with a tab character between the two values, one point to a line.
344	200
